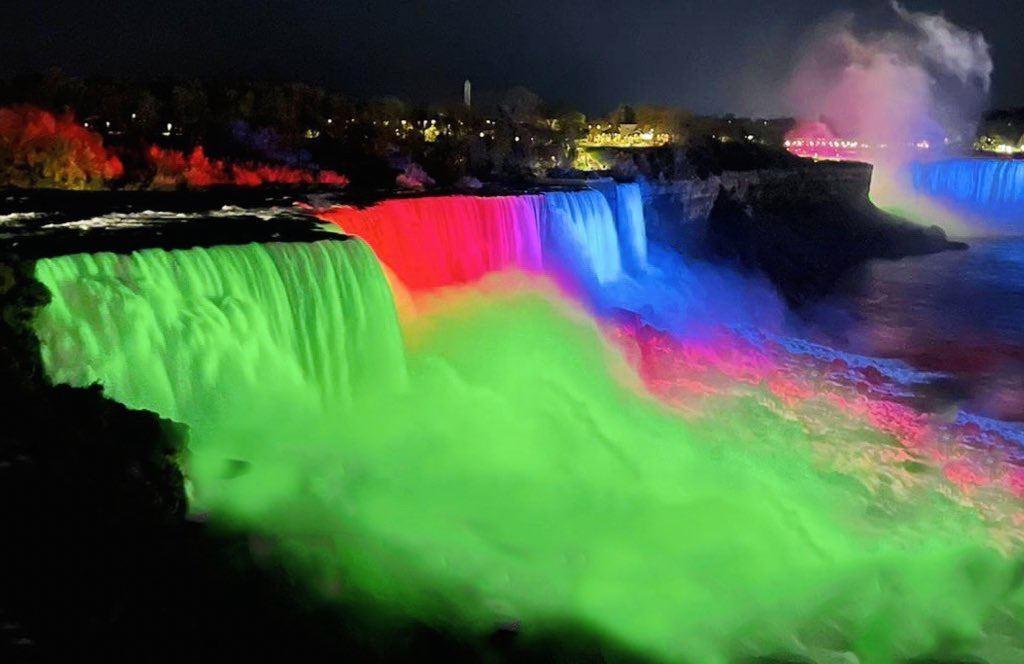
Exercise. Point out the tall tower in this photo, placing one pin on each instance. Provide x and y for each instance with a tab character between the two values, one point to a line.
467	93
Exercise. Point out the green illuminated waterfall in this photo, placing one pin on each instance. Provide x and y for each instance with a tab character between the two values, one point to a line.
499	469
228	337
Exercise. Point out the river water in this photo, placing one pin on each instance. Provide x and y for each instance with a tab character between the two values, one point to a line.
957	312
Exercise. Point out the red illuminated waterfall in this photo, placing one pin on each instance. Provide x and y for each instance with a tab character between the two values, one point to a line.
441	241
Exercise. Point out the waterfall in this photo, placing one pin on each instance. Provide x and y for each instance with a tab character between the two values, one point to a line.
593	241
225	334
515	478
441	241
598	249
629	220
580	236
990	188
626	202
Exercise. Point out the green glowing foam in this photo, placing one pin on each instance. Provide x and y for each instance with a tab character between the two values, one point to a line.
499	468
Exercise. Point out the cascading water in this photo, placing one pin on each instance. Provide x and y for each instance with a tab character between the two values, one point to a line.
443	241
626	204
450	240
990	190
496	469
599	250
513	478
288	323
580	236
629	220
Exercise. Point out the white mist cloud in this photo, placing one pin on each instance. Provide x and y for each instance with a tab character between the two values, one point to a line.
962	53
924	78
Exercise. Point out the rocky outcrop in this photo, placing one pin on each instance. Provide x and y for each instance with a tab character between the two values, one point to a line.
677	211
803	227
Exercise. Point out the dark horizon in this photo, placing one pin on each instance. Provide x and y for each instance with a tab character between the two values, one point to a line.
711	57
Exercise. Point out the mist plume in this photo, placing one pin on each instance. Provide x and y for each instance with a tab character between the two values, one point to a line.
923	79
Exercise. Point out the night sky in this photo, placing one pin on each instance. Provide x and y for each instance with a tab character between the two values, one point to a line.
711	56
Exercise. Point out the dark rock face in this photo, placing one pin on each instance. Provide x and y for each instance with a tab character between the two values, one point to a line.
802	227
805	233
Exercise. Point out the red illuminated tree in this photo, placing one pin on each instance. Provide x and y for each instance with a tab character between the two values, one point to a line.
39	149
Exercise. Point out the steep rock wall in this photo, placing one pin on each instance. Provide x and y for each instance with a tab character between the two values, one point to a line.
803	227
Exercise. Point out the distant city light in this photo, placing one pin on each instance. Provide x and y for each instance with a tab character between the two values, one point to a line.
626	136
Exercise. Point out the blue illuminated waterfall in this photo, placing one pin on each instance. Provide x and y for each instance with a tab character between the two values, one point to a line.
592	240
579	236
990	189
598	239
629	222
